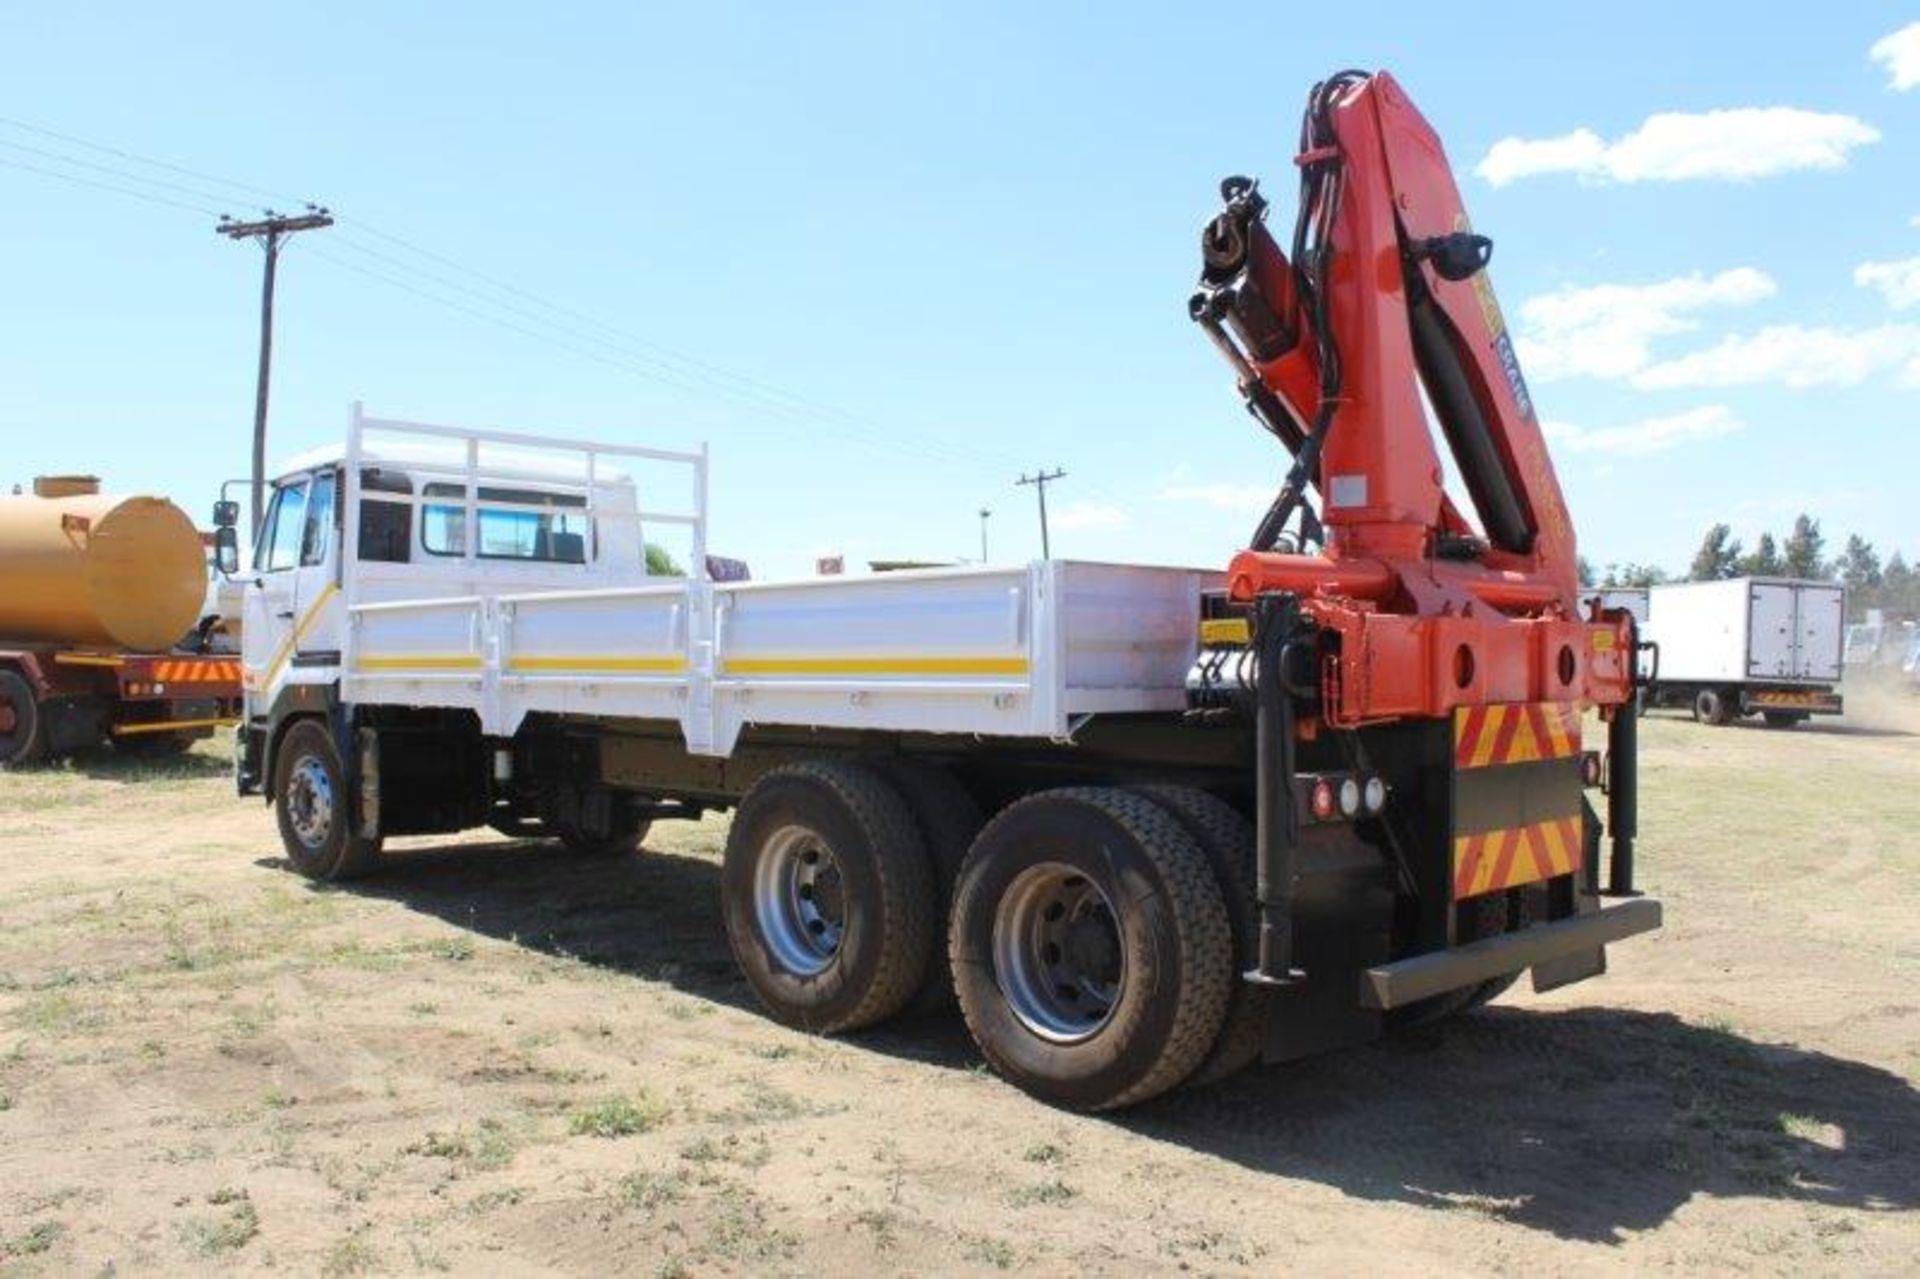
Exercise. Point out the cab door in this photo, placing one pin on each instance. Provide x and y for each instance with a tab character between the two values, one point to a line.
269	616
316	605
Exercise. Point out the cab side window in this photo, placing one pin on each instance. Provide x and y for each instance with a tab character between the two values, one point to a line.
281	532
318	534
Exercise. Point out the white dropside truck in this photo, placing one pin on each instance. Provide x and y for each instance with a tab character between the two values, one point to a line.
1770	646
1031	787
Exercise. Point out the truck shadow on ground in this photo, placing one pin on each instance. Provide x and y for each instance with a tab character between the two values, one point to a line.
1585	1123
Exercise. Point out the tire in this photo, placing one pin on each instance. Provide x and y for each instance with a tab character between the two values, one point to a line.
948	820
588	826
1783	719
1710	707
25	742
1227	840
828	894
1090	947
312	805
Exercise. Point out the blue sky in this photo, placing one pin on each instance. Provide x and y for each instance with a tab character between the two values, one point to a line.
916	249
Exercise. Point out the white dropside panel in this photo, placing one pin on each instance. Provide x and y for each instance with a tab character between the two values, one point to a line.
1023	652
1770	651
1018	652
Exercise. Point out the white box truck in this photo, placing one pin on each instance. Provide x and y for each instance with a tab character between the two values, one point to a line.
1770	646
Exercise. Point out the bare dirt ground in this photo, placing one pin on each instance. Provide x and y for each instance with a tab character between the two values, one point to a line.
493	1059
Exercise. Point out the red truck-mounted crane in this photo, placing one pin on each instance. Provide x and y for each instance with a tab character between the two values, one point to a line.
1410	633
1146	823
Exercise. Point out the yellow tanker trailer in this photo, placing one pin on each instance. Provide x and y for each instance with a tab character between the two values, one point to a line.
100	598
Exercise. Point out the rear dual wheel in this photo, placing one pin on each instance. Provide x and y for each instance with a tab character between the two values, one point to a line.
1091	948
829	896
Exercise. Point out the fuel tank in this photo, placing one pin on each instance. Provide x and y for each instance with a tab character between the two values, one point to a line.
90	570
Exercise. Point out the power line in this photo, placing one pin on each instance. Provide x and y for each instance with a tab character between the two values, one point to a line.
149	197
643	357
103	149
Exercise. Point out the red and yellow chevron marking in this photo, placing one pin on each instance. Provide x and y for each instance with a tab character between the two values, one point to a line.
197	670
1518	855
1515	733
1789	698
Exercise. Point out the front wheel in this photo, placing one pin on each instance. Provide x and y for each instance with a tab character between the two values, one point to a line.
311	801
1091	948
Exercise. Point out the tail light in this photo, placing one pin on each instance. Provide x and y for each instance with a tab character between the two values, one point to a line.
1591	770
1323	800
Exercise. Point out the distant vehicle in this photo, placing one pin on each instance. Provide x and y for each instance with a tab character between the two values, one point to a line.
102	612
1743	646
1631	598
1878	643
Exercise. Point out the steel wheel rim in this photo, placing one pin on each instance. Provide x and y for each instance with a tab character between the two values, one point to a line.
310	801
799	900
1058	954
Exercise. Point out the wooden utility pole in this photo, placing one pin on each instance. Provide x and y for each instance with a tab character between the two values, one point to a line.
269	232
1040	479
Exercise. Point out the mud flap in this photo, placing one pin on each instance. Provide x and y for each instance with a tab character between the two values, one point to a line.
1343	925
1568	969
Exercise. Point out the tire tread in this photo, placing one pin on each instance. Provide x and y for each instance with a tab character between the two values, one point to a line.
900	869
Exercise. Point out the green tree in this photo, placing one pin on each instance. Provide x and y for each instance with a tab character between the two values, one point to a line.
1585	568
1899	587
1805	553
1860	570
661	564
1718	556
1763	560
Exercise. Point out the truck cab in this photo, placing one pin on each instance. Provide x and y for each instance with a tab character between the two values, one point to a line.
541	518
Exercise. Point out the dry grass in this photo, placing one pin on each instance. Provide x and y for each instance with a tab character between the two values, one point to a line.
491	1060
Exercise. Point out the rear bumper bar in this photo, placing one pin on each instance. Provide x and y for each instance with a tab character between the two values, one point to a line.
1404	981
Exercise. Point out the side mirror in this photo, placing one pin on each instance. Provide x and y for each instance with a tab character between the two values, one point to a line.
226	514
226	548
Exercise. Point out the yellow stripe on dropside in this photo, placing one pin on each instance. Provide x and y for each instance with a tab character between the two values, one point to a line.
875	666
87	659
421	662
664	665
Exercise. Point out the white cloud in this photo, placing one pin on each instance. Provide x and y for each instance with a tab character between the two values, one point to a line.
1653	435
1736	144
1088	515
1238	498
1603	331
1899	53
1898	282
1794	355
